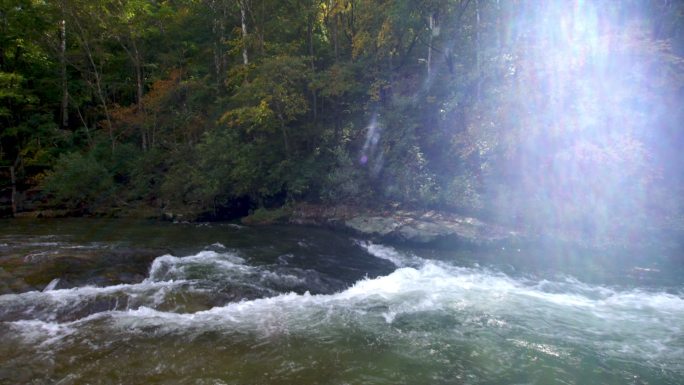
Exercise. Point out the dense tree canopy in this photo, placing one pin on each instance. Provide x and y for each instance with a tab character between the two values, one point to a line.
559	113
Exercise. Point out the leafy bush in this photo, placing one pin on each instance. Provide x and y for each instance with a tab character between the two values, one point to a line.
263	216
79	181
188	188
461	193
345	182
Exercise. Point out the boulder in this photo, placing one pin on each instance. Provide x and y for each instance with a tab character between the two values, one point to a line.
20	272
412	226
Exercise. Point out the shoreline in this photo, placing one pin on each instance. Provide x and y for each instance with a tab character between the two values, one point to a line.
395	224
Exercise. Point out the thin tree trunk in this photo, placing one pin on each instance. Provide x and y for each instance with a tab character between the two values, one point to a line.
153	135
262	35
477	50
352	26
214	29
243	21
285	139
283	128
62	61
3	29
335	37
222	35
432	34
219	30
258	21
98	85
14	191
136	59
499	38
103	101
85	126
139	80
313	66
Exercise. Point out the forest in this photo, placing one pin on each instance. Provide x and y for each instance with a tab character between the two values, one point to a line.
559	114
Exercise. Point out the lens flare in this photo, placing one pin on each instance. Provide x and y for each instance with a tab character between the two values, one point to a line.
583	99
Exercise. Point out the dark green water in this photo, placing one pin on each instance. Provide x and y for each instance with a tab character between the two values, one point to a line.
105	301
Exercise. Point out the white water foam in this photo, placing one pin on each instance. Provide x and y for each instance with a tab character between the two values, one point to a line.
391	254
74	294
171	267
52	285
41	332
633	324
44	244
49	305
169	278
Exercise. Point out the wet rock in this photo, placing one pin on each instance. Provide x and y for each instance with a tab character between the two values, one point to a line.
10	284
373	225
420	227
98	267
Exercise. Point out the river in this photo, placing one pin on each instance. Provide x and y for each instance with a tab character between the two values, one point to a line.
130	302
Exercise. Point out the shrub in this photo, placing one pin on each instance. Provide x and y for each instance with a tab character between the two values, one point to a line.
461	193
263	216
79	181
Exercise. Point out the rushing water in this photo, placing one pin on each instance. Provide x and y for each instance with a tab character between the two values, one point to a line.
225	304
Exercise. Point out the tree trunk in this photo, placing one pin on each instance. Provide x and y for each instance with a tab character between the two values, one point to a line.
243	21
103	101
283	128
153	134
499	30
259	27
313	65
98	83
432	23
136	59
478	71
3	28
222	39
139	82
286	140
14	191
214	29
85	126
219	31
352	26
335	38
63	69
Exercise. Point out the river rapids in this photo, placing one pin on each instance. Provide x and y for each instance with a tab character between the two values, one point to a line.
301	310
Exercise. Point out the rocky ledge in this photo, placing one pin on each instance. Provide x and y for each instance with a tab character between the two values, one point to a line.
420	227
24	269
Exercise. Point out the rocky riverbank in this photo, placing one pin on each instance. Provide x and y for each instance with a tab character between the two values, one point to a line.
441	228
391	224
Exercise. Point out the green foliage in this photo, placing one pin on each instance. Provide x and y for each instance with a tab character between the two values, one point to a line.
263	216
79	181
346	181
441	104
187	188
462	194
